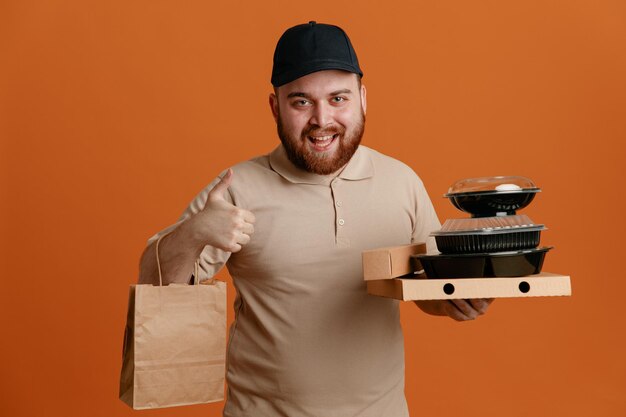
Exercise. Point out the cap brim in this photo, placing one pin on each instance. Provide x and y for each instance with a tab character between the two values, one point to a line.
311	67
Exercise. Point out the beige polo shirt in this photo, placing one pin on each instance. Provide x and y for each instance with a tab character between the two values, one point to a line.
307	339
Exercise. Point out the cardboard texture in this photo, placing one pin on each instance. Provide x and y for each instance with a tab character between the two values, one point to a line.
539	285
390	262
174	345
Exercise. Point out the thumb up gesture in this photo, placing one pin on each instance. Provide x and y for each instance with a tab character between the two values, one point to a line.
220	223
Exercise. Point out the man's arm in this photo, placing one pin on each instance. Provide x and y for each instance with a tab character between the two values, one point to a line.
219	224
177	254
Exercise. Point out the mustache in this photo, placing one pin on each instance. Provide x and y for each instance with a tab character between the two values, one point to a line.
317	131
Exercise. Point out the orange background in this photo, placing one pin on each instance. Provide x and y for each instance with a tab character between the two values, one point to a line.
115	113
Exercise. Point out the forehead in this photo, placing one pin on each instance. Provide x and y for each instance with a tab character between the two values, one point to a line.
321	83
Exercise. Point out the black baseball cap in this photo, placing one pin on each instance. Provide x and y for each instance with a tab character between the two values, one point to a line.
312	47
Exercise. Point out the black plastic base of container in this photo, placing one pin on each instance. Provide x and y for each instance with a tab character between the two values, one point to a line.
487	204
488	243
478	265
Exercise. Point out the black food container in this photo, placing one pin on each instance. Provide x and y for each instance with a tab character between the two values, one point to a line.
478	265
487	235
492	196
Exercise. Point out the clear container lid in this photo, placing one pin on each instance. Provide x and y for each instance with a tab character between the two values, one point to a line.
504	184
488	225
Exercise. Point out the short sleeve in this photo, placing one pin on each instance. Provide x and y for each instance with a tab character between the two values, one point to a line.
426	220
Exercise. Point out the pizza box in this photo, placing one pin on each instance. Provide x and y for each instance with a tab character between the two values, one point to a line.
543	284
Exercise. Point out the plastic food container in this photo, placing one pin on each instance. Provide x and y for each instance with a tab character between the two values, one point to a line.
488	234
492	196
477	265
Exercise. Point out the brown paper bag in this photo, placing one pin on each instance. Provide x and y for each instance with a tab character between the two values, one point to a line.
174	345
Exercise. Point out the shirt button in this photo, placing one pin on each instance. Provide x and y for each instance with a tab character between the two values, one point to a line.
341	222
338	203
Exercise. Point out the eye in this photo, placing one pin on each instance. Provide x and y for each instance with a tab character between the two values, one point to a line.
302	103
338	99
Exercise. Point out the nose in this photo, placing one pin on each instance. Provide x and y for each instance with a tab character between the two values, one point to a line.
321	115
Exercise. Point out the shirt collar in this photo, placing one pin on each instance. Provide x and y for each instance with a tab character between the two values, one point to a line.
359	167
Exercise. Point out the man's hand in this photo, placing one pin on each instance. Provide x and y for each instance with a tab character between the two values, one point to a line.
459	310
221	224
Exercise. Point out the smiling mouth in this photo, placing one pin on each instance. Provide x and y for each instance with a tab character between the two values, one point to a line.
321	143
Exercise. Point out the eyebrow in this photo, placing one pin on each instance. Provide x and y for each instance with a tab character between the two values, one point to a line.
342	91
305	95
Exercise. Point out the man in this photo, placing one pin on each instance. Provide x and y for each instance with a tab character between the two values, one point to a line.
307	340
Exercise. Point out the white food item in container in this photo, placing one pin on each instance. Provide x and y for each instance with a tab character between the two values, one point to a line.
508	187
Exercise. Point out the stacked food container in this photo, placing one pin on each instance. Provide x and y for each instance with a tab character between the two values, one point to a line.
495	241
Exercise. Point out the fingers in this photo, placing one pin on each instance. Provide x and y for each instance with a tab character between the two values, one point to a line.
234	248
237	243
244	221
242	230
462	310
465	308
481	304
247	228
217	193
244	239
454	313
248	216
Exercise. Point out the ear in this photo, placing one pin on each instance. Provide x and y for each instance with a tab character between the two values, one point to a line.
363	98
273	102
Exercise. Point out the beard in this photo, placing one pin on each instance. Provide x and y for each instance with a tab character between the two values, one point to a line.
321	163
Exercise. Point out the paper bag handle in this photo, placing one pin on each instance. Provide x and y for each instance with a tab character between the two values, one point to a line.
196	266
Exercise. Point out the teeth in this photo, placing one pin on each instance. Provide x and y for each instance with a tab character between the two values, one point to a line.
322	138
